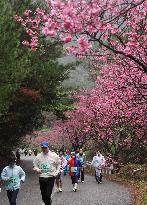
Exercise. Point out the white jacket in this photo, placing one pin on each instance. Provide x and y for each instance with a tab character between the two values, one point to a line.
98	161
48	164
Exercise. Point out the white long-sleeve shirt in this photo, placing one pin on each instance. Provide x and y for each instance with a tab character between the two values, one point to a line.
48	164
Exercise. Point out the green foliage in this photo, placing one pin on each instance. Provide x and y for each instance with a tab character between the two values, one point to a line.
134	171
29	81
62	103
13	61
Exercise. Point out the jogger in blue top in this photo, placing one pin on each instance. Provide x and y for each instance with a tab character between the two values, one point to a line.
12	175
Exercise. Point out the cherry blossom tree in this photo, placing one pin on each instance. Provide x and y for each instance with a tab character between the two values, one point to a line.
54	135
113	113
112	36
105	29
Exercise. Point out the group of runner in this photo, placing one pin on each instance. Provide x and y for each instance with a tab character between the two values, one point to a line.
50	167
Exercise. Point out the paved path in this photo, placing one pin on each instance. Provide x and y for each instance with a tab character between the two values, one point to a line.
89	193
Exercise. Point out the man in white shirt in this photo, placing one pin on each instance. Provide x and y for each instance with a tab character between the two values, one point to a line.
98	163
47	165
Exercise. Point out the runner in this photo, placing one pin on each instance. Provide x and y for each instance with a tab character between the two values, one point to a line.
98	163
67	157
59	181
12	175
47	165
82	157
74	166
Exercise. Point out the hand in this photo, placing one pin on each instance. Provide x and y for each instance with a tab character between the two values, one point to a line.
7	178
55	173
38	171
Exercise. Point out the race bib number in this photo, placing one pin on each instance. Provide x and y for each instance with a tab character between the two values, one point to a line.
13	180
74	169
44	167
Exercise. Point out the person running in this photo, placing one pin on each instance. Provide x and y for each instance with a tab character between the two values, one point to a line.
59	181
12	175
98	163
82	157
67	157
74	167
47	164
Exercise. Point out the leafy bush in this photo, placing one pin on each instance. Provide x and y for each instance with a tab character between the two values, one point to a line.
134	171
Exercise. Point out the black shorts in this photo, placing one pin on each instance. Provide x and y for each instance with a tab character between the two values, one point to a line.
74	179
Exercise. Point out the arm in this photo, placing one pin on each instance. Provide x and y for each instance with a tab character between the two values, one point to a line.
80	165
35	165
84	161
58	166
69	162
64	162
103	162
92	163
4	175
84	158
22	175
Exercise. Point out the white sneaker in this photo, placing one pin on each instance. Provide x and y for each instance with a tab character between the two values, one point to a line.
60	190
73	189
82	181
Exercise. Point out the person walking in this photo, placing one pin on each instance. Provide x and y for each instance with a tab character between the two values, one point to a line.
12	175
98	163
82	157
74	168
47	165
59	181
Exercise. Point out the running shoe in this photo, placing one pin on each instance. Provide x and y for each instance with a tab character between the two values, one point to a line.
60	190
